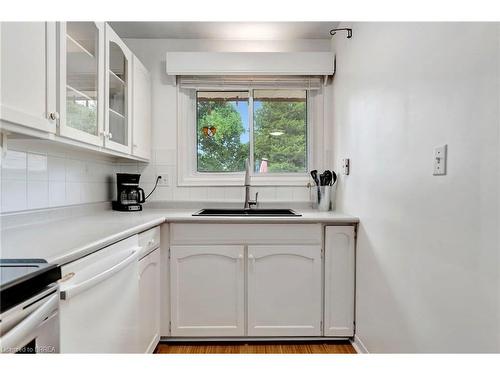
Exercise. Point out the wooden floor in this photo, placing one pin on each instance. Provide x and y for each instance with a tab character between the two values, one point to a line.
338	347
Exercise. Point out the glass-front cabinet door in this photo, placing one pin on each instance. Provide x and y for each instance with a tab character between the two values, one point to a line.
81	81
117	127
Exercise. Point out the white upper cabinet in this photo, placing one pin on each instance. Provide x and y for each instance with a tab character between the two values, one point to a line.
339	281
284	290
141	116
207	292
81	81
118	98
28	74
74	81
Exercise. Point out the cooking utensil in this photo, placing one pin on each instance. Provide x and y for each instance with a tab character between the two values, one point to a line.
327	179
334	177
314	175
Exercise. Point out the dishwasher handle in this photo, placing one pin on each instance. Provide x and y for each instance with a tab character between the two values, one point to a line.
73	290
22	330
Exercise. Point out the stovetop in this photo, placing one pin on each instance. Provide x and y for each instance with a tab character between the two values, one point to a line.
20	279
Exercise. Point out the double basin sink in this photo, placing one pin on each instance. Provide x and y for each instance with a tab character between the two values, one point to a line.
265	212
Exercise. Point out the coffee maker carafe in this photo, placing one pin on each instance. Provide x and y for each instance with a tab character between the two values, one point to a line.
129	195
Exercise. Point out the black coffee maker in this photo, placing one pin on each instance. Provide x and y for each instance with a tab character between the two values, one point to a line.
129	195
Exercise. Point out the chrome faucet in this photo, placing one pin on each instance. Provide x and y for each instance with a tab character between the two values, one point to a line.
248	203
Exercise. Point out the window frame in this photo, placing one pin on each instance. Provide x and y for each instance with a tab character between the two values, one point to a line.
187	173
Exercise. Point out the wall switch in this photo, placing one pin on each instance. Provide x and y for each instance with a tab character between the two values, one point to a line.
440	156
163	181
346	165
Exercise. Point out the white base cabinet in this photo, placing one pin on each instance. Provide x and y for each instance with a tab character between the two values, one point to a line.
267	285
339	281
149	301
284	290
207	291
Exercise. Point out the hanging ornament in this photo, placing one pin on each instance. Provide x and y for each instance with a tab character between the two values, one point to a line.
209	131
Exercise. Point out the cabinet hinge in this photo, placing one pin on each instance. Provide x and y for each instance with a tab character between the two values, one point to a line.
169	327
322	253
321	327
169	253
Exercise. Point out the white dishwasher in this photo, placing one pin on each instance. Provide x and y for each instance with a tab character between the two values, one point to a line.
100	300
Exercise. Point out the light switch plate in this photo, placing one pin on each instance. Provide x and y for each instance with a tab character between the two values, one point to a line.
346	165
440	156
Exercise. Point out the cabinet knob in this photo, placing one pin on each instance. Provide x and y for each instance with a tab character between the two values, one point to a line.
53	115
251	258
110	135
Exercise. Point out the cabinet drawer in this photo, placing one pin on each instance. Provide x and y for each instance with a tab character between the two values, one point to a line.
149	240
250	234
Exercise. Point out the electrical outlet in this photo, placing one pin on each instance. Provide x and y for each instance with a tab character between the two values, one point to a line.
163	181
440	156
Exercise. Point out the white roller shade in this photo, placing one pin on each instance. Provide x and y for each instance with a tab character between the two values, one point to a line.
248	82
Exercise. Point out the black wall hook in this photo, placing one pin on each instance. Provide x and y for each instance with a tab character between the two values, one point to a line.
349	32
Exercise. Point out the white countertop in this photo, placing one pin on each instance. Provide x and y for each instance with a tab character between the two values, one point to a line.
63	240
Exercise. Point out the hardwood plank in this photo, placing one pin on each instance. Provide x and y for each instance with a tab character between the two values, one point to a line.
340	347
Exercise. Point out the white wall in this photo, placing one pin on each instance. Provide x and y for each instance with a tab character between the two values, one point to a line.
152	53
428	246
36	174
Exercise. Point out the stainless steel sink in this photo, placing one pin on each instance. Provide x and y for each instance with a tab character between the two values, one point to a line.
266	212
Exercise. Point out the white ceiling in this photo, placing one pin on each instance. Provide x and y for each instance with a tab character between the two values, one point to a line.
225	30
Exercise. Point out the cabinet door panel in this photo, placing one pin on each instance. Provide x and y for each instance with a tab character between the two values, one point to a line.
149	303
284	291
28	74
339	281
81	81
207	290
118	99
141	124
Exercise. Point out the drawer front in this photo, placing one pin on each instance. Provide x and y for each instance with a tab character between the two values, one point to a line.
251	234
149	240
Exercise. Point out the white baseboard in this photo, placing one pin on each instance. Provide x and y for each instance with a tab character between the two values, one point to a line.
358	345
304	339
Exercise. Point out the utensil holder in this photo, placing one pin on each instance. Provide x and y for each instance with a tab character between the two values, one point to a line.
323	197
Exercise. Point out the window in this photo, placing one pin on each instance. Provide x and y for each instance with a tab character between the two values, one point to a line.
277	122
280	131
222	131
268	126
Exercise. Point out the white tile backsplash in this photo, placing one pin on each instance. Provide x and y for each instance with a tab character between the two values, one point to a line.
57	193
13	195
33	180
37	167
37	194
75	170
57	168
14	165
